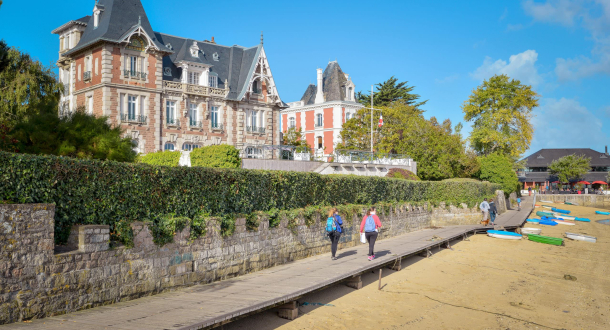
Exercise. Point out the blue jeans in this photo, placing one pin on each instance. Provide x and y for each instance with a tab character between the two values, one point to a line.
492	215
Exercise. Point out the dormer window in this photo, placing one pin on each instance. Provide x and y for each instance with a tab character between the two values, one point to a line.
540	157
136	43
193	78
195	49
213	79
97	12
67	41
169	46
215	56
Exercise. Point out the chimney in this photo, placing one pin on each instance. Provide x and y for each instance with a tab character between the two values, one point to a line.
213	40
606	150
319	93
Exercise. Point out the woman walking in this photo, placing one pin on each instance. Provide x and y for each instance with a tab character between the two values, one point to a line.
370	227
335	224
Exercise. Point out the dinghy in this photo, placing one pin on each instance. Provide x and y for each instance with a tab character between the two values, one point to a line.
563	217
544	214
582	219
601	212
565	223
529	231
548	207
547	223
536	221
545	239
558	202
546	201
581	237
503	234
567	203
561	211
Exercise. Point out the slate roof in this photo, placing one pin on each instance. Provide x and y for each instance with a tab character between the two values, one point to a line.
116	21
545	176
235	64
333	85
544	157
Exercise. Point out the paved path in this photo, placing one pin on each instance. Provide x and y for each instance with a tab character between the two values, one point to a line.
217	303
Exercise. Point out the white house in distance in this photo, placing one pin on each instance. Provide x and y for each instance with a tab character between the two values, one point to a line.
323	109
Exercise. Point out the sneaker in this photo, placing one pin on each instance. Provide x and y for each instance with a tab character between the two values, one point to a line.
370	258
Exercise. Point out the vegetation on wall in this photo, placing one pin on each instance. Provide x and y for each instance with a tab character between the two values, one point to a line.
219	156
96	192
400	173
161	158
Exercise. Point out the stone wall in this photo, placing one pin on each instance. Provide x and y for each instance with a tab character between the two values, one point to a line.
598	201
37	282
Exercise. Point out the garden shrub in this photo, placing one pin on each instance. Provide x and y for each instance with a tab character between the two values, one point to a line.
165	226
400	173
161	158
219	156
498	168
107	192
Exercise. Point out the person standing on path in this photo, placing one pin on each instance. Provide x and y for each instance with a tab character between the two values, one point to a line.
519	203
335	232
493	211
529	190
370	227
485	209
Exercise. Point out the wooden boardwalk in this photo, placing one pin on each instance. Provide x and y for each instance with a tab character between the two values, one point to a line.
204	306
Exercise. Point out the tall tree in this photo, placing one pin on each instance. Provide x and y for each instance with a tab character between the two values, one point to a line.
390	91
570	167
26	86
294	137
501	112
439	152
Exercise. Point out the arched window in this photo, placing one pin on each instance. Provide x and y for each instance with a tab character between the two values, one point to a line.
319	121
320	146
169	146
292	123
187	147
136	43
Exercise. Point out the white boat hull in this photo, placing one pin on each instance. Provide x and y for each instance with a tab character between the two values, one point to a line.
503	236
564	222
535	231
546	202
563	216
580	237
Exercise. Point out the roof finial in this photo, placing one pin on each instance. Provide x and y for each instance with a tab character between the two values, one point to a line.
139	20
261	37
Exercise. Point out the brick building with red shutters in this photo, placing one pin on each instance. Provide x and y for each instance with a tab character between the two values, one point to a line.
323	109
166	92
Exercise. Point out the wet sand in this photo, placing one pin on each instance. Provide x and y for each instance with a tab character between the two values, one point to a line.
484	283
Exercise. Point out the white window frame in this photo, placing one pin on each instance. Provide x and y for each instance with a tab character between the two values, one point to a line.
133	64
170	111
214	116
292	122
193	113
319	120
167	144
132	106
213	81
67	41
254	119
193	77
90	105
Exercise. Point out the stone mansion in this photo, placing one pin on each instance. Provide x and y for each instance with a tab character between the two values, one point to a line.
166	92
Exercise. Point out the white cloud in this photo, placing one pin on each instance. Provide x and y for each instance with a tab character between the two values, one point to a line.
447	79
593	16
565	123
521	66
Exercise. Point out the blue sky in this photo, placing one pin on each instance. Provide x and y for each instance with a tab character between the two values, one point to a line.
444	48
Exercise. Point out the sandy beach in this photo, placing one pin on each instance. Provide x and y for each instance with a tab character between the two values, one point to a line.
483	283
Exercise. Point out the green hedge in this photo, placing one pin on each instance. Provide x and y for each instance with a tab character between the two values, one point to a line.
161	158
106	192
219	156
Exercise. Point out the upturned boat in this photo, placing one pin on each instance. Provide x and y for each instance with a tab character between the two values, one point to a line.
503	234
581	237
560	211
545	239
534	231
602	212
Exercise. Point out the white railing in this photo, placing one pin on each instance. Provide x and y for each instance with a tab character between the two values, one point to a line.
195	89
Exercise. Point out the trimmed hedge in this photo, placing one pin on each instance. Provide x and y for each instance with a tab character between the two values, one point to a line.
219	156
106	192
161	158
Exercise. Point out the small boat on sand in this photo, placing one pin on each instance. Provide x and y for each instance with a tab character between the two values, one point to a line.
536	221
582	219
544	214
548	222
534	231
503	234
565	217
602	212
560	211
565	223
548	207
568	203
545	239
581	237
546	201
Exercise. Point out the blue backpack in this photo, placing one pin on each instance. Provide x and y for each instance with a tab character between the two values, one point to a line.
331	225
369	225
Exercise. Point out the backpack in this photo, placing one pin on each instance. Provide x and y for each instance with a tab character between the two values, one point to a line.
331	225
369	225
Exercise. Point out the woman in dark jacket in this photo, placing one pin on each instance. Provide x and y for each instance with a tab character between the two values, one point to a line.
334	236
493	211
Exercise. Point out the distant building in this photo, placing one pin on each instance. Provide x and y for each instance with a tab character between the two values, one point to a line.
537	173
323	109
166	92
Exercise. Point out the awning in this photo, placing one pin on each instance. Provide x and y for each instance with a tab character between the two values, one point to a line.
599	182
583	182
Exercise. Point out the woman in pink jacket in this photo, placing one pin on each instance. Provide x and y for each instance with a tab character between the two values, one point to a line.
370	227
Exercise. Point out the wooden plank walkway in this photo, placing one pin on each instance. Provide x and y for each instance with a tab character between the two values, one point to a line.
203	306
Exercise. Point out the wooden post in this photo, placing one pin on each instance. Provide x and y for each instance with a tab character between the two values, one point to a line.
289	311
379	287
397	265
355	282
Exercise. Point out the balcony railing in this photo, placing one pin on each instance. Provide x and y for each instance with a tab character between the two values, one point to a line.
367	157
217	126
87	75
172	122
134	74
130	118
255	129
194	89
195	124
